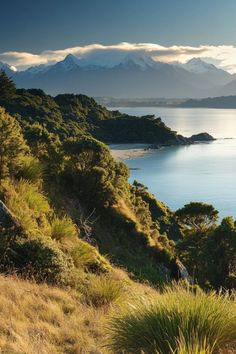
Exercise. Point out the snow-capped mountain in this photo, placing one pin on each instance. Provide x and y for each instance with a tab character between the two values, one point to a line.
69	63
198	66
130	76
215	76
142	61
9	70
33	70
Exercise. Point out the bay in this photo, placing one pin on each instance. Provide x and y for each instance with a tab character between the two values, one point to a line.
200	172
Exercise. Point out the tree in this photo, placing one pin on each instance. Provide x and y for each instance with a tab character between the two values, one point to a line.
221	255
197	216
7	86
12	145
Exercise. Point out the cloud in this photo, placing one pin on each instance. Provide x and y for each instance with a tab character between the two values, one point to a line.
223	56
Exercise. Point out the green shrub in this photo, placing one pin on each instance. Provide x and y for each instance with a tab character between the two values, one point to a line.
33	197
179	321
12	145
103	291
29	206
63	227
39	260
86	256
31	169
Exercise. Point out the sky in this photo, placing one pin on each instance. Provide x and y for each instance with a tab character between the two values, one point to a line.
40	32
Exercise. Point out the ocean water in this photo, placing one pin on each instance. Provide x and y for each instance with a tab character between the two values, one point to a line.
200	172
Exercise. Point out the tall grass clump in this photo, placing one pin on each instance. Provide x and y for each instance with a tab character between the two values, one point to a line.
29	206
178	321
103	291
31	169
86	256
34	198
63	227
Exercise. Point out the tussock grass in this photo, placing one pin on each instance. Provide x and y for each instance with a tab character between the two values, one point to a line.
33	197
63	227
179	321
103	291
86	256
31	169
29	205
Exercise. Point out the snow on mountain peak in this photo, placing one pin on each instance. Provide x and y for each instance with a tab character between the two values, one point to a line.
198	66
7	68
69	63
142	60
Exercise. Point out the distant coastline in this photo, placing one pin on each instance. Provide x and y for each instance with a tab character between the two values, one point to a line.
221	102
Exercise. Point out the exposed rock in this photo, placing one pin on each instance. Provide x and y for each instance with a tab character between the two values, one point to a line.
6	215
183	272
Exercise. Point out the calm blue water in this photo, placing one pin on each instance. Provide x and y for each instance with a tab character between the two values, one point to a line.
201	172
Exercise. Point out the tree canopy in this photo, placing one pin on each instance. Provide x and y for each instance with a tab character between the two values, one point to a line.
12	144
197	215
7	86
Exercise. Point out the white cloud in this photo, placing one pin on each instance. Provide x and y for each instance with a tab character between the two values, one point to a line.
223	56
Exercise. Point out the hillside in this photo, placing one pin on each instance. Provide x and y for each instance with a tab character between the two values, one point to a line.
78	242
41	319
72	115
211	102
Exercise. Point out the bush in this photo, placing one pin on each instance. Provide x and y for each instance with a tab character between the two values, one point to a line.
103	291
12	145
179	321
33	197
39	260
29	206
86	256
63	228
31	169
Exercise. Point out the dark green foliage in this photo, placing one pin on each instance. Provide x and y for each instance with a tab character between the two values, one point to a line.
160	215
128	129
197	216
73	115
7	86
221	255
210	255
93	174
12	145
39	260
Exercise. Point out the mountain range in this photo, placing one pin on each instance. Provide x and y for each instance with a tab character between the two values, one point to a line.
133	76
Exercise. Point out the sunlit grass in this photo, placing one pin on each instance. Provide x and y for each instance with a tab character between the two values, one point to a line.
63	227
178	321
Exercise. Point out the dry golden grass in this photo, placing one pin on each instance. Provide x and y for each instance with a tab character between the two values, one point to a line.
125	210
38	319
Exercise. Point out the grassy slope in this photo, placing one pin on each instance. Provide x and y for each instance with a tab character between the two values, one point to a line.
49	320
40	319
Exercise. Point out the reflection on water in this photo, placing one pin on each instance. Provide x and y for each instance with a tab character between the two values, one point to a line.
201	172
221	123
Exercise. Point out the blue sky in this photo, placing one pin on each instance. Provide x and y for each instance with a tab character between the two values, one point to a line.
33	27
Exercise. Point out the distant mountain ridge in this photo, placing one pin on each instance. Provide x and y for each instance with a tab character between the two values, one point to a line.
211	102
131	76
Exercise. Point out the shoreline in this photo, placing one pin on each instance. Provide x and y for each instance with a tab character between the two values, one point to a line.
122	152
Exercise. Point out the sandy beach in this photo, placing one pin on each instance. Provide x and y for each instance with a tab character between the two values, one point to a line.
129	151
